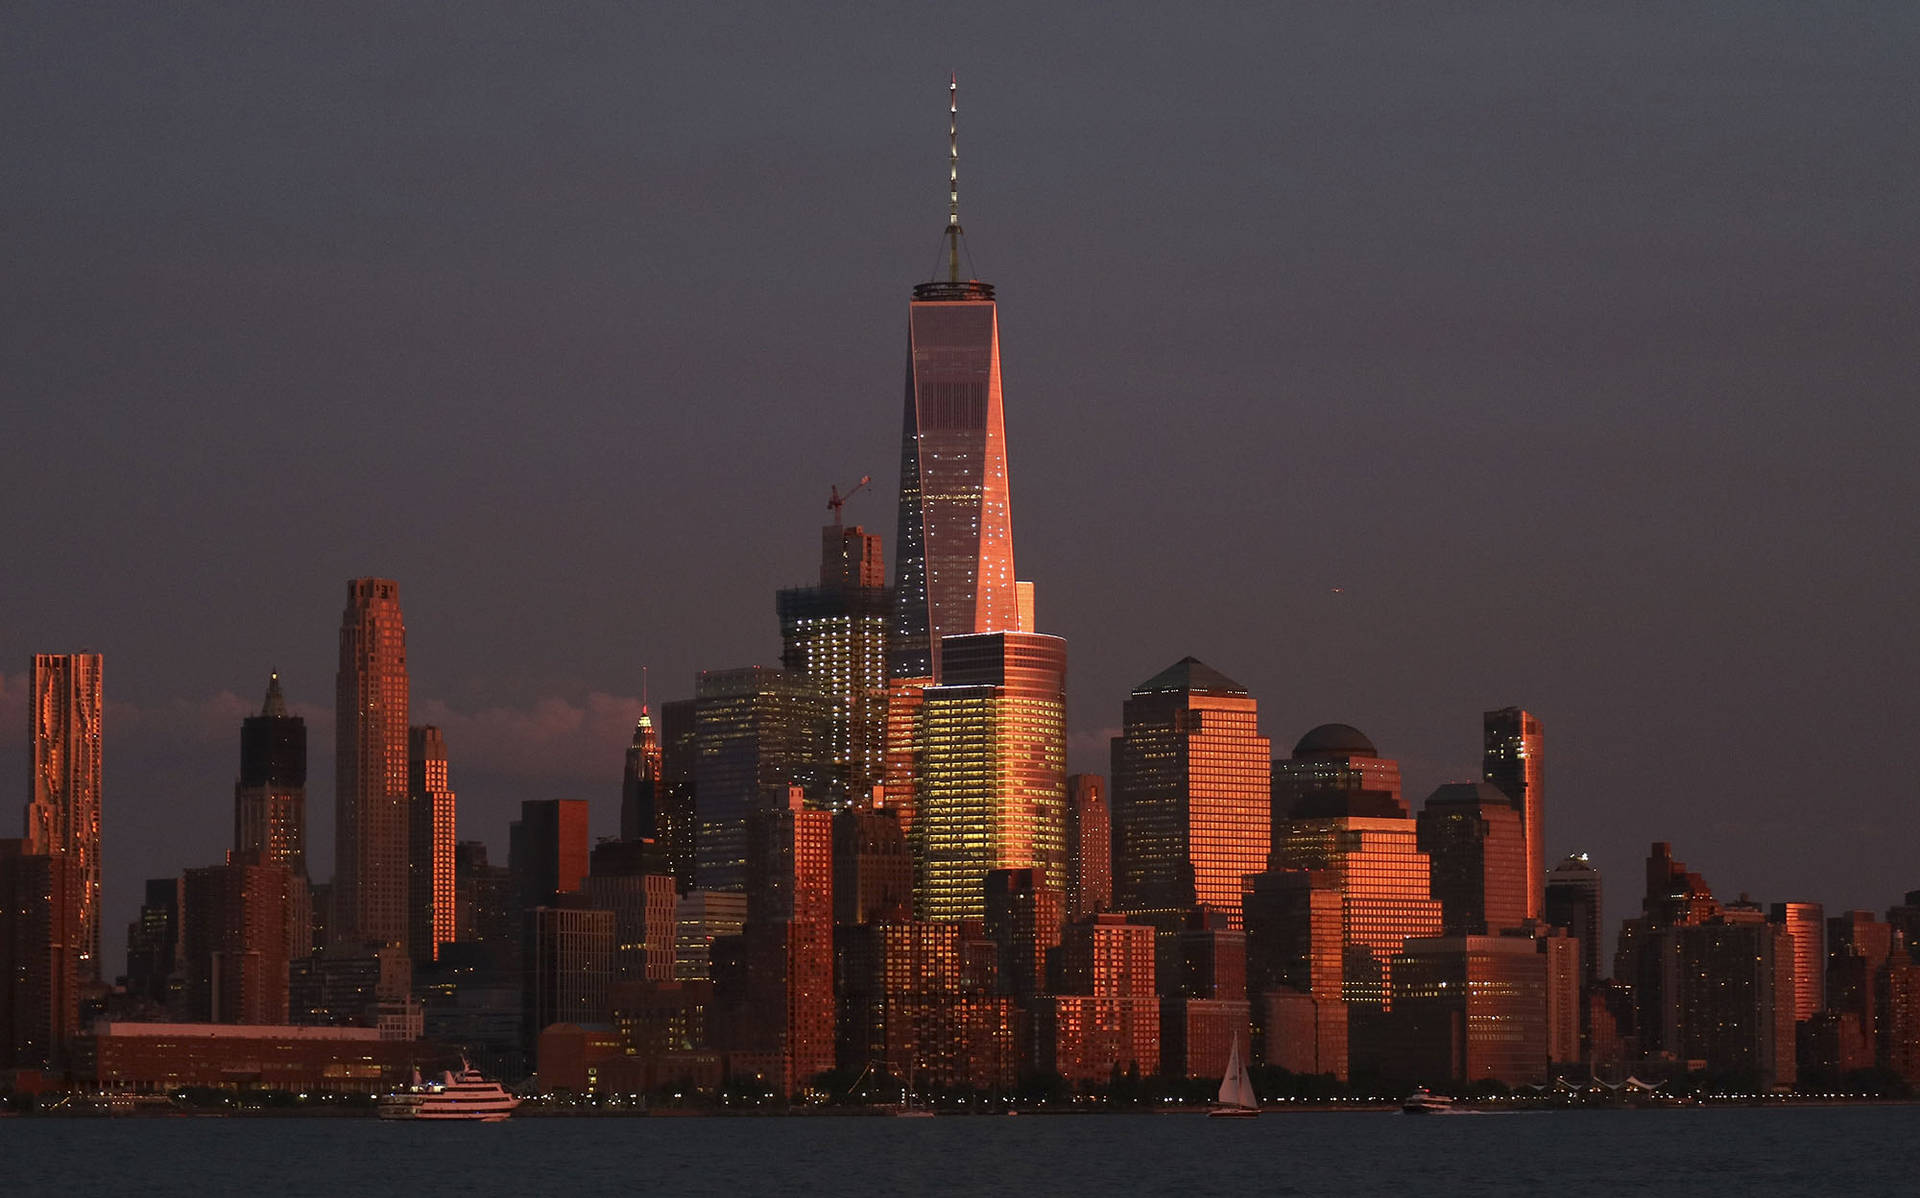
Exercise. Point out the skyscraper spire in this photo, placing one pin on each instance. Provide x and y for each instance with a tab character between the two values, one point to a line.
276	704
953	177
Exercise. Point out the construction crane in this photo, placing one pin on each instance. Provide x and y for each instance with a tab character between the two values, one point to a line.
836	501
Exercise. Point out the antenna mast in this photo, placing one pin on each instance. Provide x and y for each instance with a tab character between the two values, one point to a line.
953	177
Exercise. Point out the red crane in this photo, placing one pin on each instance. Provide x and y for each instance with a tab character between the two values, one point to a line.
836	501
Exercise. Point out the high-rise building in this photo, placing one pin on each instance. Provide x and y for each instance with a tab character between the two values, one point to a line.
569	966
1296	970
702	917
156	949
1573	902
788	944
235	943
1806	926
836	635
1513	761
1105	1013
1472	836
679	753
1089	846
432	901
758	732
953	570
1192	796
63	806
370	768
1469	1007
628	878
1675	898
910	1009
41	939
270	796
641	783
993	776
1728	996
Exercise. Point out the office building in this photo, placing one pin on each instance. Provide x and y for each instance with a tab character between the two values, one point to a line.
1471	834
1573	902
1513	761
993	779
835	634
370	892
63	800
1192	795
758	733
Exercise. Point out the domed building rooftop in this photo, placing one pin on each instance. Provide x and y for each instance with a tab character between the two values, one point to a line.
1335	740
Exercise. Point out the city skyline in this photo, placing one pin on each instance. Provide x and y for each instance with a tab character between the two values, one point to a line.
1120	578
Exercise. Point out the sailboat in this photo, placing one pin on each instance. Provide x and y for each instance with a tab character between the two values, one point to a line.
1237	1099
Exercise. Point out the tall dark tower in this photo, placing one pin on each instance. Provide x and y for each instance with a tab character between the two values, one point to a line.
1513	762
270	797
954	570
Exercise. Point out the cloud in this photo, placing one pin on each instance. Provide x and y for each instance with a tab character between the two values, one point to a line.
551	737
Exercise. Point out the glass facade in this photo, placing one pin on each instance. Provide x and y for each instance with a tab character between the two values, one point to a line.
757	733
992	770
954	570
1384	883
1513	762
1191	795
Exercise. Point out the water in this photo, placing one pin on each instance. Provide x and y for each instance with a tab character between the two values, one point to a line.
1800	1151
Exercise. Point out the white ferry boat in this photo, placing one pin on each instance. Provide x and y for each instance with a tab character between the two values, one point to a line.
464	1097
1424	1102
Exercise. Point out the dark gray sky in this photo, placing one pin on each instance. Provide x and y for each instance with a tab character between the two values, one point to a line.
1399	361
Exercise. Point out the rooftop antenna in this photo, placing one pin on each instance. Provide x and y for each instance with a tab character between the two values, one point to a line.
836	501
953	177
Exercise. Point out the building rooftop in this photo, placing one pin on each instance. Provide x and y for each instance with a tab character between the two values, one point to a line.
1335	740
1193	676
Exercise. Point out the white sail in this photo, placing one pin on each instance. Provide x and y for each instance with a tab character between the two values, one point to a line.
1236	1088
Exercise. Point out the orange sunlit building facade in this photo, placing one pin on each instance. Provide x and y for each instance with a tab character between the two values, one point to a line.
992	765
1191	795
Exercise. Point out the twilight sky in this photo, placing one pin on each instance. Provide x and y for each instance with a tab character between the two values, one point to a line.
1398	361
